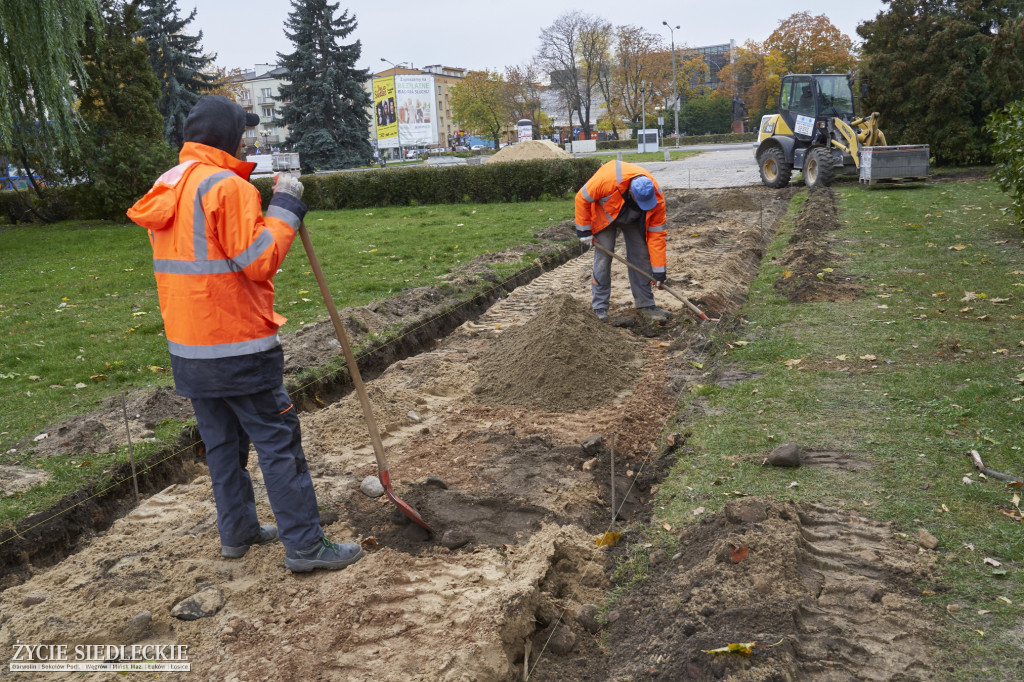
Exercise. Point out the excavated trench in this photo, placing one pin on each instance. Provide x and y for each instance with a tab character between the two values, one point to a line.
505	434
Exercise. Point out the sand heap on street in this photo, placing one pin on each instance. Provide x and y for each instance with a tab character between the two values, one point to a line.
530	150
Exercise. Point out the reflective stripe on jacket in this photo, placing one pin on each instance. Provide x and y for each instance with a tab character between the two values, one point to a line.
215	255
600	200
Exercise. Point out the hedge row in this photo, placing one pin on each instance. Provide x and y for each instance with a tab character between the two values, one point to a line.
482	183
685	140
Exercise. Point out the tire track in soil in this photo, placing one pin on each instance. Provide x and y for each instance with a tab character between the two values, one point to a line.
516	519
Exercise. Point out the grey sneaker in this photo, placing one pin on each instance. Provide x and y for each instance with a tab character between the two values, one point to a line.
266	534
653	312
602	314
322	554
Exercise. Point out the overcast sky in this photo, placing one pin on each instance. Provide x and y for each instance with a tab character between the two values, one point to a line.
477	35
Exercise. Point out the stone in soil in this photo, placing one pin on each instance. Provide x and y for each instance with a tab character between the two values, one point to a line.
786	455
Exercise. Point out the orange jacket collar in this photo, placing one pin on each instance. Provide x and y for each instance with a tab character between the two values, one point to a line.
193	151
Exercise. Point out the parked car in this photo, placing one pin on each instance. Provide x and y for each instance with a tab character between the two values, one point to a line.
478	147
460	148
412	154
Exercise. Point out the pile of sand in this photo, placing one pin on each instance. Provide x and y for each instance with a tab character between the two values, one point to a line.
562	360
530	150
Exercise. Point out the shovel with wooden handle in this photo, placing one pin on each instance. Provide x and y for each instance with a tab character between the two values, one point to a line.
357	382
650	278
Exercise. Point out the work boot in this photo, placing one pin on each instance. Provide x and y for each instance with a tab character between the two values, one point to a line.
322	554
602	314
266	534
653	312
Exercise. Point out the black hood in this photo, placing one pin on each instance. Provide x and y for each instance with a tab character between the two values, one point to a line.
218	122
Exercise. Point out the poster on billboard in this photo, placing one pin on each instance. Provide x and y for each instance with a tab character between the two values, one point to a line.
385	112
417	110
524	129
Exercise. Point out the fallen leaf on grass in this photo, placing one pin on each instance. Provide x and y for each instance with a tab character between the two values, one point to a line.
1013	514
992	562
869	358
793	484
698	511
842	358
956	247
967	480
739	553
666	525
1004	599
609	539
792	363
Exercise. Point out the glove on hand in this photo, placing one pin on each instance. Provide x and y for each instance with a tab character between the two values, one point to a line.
659	279
289	184
586	241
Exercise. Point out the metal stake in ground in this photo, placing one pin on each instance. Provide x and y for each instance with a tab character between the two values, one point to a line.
131	453
357	382
650	278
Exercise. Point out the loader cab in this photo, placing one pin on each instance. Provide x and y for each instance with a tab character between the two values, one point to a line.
806	100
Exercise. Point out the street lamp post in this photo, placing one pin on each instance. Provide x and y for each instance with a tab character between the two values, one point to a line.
553	129
675	91
643	119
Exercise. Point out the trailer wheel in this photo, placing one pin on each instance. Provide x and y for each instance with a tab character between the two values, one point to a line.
775	171
819	169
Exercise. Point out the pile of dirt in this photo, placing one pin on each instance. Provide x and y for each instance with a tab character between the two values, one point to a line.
562	360
734	200
821	592
810	273
530	150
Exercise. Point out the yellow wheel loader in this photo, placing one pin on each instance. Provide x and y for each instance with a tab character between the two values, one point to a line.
818	133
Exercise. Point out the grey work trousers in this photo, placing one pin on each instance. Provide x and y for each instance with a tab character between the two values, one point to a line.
634	235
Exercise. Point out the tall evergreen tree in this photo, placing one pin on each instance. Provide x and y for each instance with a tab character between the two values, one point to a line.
123	149
178	62
937	68
328	116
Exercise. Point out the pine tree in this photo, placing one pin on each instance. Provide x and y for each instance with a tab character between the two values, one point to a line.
178	62
123	148
327	117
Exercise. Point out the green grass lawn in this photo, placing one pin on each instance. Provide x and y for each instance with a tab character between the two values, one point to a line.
80	320
926	365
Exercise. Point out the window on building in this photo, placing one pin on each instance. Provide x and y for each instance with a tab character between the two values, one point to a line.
268	112
265	93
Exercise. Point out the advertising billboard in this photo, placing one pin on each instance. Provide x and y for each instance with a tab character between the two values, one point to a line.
417	110
385	112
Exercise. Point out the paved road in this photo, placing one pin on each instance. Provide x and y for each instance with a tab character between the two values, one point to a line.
731	165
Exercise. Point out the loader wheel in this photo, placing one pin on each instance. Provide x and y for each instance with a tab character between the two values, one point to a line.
775	171
819	169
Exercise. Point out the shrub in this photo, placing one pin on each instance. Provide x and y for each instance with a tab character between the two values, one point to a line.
481	183
1007	129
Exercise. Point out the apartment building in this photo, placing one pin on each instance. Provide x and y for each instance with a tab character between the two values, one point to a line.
259	92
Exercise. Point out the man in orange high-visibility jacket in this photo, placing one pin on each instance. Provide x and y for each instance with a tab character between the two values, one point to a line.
215	256
624	197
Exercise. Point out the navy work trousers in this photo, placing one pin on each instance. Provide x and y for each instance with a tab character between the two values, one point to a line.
268	419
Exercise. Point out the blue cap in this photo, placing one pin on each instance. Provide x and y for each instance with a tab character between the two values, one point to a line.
643	192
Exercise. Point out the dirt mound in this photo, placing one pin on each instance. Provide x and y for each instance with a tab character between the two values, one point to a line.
824	593
562	360
810	273
734	200
530	150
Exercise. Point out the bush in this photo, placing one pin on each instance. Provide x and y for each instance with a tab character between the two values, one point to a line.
1007	128
482	183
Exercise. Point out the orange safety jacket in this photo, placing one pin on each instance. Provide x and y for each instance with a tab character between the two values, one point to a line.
602	197
215	256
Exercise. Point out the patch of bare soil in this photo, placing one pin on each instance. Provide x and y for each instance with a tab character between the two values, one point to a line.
516	491
810	273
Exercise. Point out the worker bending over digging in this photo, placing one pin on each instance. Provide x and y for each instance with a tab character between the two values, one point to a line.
624	196
215	257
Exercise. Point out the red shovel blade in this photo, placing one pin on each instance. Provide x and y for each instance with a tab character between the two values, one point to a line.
385	480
